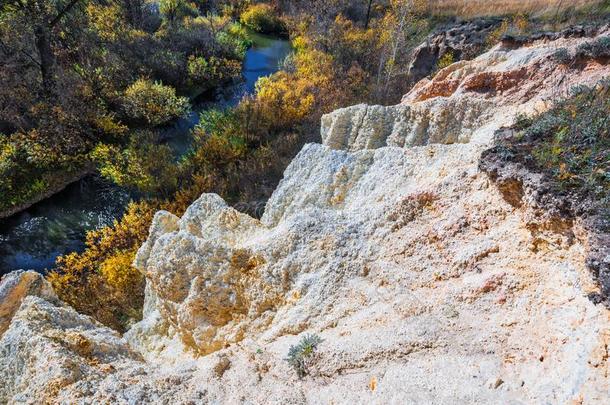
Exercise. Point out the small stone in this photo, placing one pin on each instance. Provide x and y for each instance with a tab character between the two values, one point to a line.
451	312
373	383
494	383
222	366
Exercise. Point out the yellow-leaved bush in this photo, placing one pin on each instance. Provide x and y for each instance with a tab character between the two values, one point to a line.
262	18
118	271
286	98
107	21
153	103
144	165
101	282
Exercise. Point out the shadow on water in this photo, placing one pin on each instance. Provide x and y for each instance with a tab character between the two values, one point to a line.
34	238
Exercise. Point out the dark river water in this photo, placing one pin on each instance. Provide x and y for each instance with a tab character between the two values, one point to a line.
32	239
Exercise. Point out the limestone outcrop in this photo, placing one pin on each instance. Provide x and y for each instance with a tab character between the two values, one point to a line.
425	284
15	287
463	40
49	349
467	101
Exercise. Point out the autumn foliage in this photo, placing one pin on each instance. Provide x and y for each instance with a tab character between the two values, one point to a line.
101	281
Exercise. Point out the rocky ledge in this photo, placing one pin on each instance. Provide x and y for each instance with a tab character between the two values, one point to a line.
424	282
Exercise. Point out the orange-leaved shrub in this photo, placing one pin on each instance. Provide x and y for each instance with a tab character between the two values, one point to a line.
100	282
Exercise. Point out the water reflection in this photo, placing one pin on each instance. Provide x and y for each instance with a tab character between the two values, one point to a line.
33	238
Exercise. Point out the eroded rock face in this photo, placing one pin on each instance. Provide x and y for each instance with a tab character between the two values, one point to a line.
465	102
205	277
48	348
425	284
466	39
462	40
448	120
565	212
17	285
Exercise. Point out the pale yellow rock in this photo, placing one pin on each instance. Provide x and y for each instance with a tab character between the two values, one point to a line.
386	241
17	285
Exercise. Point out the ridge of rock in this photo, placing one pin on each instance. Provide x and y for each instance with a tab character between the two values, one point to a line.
466	101
387	241
17	285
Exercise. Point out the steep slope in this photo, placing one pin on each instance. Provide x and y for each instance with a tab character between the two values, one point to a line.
424	283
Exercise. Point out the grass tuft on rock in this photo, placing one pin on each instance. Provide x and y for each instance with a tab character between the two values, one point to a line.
571	143
299	355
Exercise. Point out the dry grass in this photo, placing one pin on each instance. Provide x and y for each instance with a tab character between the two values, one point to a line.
479	8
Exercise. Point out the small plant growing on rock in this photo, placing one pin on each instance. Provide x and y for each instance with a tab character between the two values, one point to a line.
446	60
596	49
494	36
300	355
570	144
562	56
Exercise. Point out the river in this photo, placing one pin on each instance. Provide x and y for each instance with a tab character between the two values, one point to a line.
34	238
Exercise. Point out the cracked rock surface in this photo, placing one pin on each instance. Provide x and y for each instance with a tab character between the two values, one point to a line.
387	241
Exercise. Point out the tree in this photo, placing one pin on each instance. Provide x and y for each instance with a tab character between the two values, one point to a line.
43	17
368	14
134	11
175	10
401	26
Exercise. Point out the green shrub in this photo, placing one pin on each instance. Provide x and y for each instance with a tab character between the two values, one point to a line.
144	165
571	142
23	177
212	71
262	18
153	103
235	40
596	49
199	69
216	121
219	143
299	355
175	10
562	56
446	60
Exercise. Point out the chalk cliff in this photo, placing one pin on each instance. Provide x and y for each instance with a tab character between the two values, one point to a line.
425	284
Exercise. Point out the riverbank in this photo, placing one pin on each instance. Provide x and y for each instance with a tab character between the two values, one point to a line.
32	238
59	184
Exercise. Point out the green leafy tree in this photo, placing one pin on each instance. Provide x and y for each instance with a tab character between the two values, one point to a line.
144	165
174	11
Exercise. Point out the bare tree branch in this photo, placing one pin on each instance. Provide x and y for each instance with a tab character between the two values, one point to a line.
7	49
63	12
